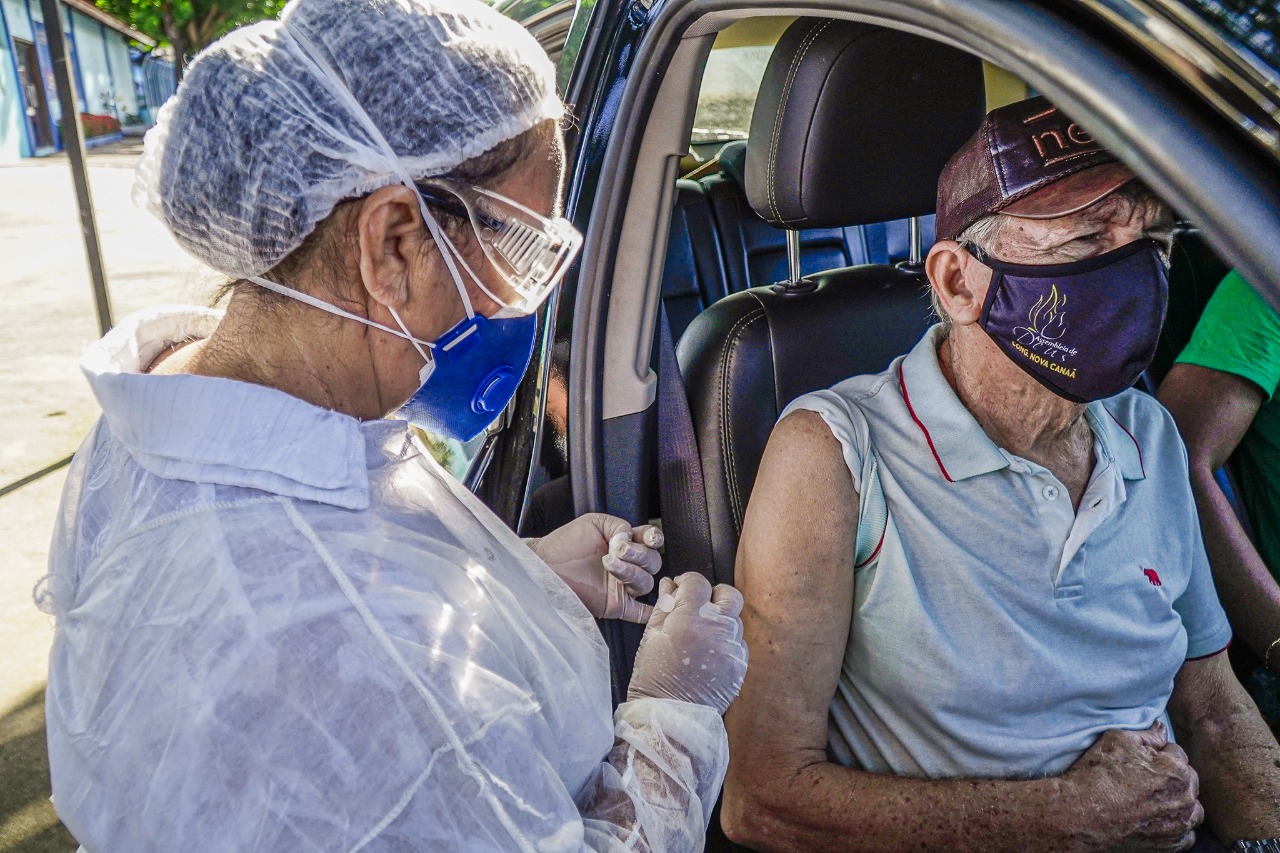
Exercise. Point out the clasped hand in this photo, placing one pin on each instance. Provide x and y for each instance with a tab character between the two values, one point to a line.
606	562
1138	792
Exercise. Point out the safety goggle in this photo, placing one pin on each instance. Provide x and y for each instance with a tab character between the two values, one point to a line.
530	252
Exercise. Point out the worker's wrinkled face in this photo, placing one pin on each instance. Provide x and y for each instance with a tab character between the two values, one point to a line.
516	244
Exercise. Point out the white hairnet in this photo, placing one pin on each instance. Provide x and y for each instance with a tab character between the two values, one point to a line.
257	146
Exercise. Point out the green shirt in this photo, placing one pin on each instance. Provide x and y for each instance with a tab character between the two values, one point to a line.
1239	333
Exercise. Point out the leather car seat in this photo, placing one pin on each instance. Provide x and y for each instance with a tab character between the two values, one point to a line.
755	252
693	273
852	125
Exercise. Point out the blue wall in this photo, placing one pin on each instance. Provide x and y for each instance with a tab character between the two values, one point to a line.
13	132
100	63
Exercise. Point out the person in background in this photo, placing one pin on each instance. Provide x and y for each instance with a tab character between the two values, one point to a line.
281	626
1221	392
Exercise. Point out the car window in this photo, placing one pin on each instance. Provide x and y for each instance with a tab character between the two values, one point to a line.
728	93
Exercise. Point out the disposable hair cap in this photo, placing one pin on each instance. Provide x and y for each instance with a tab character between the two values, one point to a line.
258	145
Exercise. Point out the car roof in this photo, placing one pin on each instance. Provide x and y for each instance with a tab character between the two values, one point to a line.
1230	59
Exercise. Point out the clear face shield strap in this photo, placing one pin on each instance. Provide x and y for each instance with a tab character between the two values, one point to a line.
502	313
330	78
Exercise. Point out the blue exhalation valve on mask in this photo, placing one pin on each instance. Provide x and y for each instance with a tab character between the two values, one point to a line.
495	391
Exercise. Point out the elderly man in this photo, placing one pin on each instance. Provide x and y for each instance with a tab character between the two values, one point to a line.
978	602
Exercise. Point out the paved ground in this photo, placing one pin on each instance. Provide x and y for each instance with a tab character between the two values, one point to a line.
45	409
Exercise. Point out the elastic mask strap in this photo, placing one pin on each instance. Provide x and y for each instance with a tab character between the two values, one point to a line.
480	284
335	310
339	89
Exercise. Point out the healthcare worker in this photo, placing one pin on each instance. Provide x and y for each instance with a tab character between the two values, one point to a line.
280	625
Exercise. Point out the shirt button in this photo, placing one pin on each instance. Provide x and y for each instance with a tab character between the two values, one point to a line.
1050	493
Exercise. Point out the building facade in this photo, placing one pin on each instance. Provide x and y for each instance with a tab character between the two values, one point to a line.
107	81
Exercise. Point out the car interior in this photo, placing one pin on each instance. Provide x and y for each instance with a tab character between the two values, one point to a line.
757	233
824	158
863	298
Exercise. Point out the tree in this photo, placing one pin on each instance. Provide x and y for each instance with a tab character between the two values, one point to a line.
189	25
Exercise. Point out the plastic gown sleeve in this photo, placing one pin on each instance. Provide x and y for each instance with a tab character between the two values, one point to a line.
242	679
661	780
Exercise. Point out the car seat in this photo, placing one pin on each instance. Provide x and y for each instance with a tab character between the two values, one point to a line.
852	125
755	251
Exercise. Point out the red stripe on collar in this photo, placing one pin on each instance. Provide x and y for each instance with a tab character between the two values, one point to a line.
902	383
1141	464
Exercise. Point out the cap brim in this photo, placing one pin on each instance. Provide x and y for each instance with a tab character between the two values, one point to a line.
1073	193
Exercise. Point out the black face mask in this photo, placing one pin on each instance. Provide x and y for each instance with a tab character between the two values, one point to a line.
1085	330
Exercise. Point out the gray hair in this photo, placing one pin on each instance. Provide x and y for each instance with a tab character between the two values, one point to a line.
984	232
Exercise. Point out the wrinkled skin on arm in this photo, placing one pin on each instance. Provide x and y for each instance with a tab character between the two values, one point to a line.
1131	791
1214	410
1231	748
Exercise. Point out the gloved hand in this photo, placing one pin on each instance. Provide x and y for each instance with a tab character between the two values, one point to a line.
606	561
692	650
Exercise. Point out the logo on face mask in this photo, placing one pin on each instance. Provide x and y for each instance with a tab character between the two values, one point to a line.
1118	296
1039	339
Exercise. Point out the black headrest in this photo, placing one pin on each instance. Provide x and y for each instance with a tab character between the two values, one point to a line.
733	160
854	122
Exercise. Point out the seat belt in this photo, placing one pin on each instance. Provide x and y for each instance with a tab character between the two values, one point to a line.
681	487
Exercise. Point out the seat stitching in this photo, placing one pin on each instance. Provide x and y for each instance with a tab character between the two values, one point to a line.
792	72
740	509
726	428
726	423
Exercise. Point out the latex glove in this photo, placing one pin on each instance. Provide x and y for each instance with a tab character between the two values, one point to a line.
692	650
606	561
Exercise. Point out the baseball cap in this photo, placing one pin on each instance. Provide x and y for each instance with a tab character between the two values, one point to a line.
1027	159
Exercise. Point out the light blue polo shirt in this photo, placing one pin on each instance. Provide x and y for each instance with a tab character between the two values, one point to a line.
997	633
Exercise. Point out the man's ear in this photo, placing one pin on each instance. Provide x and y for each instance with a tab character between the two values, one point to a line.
390	230
958	279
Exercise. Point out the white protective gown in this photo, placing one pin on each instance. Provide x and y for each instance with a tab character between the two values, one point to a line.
282	629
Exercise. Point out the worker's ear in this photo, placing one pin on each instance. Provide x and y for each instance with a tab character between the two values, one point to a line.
390	232
959	280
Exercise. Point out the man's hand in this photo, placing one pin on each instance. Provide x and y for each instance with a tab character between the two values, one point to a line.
1135	791
606	561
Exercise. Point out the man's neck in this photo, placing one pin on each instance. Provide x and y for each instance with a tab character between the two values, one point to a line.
1013	409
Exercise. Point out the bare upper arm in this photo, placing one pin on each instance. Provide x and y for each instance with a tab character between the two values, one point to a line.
1213	410
795	570
1205	689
